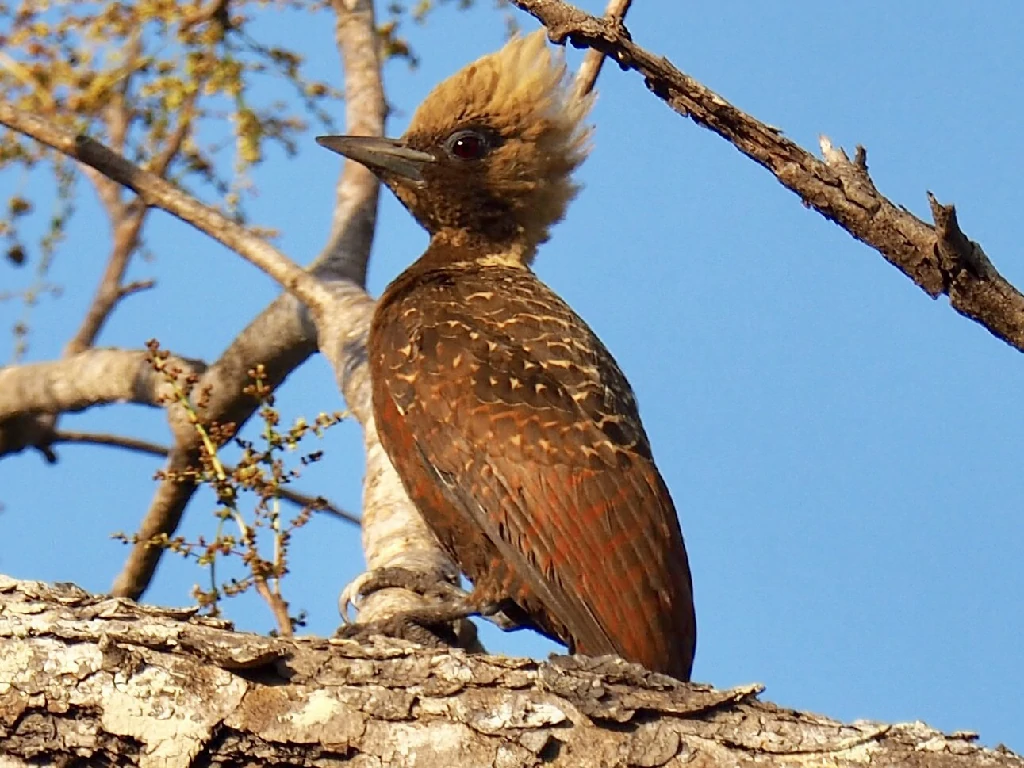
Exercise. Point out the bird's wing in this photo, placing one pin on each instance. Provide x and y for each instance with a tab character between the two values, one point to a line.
533	433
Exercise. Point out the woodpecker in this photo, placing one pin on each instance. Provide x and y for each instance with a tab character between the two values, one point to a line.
510	424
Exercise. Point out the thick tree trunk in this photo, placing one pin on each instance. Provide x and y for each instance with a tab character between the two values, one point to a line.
99	681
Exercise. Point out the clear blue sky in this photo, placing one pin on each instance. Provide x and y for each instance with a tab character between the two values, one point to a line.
845	453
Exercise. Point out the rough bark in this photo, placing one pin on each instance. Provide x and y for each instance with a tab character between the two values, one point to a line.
102	681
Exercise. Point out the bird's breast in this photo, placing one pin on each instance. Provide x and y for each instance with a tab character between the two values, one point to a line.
514	359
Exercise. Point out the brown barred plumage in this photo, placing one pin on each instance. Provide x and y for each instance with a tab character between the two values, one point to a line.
511	425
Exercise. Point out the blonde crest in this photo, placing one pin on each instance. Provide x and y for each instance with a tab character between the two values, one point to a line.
524	90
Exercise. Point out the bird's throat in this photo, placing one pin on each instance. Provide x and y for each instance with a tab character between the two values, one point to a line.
461	248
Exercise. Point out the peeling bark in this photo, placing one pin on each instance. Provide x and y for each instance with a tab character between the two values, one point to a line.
102	681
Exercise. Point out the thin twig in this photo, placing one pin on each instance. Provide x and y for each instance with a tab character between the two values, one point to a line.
590	69
127	228
136	286
278	606
111	441
318	504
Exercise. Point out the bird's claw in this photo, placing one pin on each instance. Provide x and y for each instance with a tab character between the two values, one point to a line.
450	600
431	626
494	614
393	577
352	595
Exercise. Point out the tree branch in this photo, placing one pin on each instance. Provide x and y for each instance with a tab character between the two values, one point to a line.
31	396
93	377
590	69
126	220
839	189
126	225
394	533
156	192
318	503
281	337
105	681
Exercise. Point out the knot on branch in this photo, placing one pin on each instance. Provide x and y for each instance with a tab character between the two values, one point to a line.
29	430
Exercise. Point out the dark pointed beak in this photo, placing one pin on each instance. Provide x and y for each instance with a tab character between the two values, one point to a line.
387	156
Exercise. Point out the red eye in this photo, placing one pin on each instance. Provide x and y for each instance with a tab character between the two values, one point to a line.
467	145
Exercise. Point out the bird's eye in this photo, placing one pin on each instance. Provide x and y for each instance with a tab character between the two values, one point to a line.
467	145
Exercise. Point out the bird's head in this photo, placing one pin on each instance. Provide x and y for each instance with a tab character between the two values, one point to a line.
491	151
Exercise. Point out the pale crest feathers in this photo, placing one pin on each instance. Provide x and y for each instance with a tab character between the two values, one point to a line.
521	90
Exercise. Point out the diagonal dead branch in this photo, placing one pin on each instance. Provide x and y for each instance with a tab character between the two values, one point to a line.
156	192
837	188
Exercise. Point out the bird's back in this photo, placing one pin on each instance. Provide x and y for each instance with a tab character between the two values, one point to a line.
519	439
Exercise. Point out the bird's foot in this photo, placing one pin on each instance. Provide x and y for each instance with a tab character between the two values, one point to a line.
364	585
432	625
494	613
448	597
